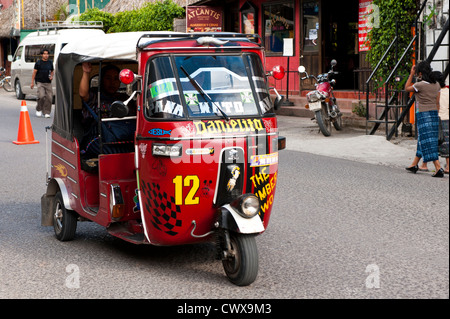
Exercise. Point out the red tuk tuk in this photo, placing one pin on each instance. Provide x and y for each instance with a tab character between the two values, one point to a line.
202	161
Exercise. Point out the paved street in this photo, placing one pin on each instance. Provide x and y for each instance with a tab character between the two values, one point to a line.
348	222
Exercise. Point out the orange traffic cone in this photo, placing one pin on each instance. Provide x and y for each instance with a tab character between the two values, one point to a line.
25	134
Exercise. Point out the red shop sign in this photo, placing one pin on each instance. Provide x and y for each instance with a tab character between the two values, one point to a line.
204	19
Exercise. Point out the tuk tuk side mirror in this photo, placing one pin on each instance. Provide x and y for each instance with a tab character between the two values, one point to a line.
278	100
119	109
277	72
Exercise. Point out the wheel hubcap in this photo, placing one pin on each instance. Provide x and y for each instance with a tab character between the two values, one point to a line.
58	216
233	261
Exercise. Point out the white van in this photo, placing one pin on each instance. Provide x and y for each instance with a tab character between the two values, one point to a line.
29	51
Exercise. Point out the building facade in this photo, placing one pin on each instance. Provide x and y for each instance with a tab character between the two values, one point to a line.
314	31
294	32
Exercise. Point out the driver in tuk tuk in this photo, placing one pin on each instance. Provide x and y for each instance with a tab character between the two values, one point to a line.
109	86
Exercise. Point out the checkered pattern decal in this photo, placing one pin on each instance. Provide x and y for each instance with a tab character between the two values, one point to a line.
164	213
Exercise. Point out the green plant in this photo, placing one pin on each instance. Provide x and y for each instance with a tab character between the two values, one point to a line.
95	14
158	16
124	21
154	16
392	15
430	18
359	109
62	12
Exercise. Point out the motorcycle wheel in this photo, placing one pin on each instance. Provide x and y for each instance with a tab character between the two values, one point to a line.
323	121
7	84
337	123
242	267
64	220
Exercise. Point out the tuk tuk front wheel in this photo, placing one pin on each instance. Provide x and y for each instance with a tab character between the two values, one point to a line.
241	263
64	220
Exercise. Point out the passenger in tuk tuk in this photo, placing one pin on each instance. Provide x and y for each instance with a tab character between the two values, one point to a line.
115	134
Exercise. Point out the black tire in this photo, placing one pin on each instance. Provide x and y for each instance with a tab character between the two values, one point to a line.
323	121
337	122
7	84
64	220
18	89
242	268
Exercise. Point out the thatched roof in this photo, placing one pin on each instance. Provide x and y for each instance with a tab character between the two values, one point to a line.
6	22
32	14
115	6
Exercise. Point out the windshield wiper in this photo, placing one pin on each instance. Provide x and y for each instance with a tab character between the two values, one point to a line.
204	94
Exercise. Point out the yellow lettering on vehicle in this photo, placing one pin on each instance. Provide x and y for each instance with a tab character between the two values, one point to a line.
234	126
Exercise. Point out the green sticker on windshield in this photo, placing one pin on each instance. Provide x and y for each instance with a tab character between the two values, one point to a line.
162	88
191	99
247	97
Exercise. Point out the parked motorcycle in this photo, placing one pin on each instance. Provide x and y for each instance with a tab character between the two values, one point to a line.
322	101
5	81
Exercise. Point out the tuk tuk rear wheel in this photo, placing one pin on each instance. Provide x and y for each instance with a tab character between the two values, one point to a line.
64	220
242	265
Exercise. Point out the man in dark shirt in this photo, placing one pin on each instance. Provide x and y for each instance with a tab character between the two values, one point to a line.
43	75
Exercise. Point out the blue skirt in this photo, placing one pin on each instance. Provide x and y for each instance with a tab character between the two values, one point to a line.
428	135
443	148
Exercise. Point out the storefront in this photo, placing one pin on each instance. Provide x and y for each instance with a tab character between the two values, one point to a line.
321	30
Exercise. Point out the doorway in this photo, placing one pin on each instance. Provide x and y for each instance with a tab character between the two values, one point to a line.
340	40
329	30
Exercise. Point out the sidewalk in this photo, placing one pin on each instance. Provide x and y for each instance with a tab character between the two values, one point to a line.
351	143
346	101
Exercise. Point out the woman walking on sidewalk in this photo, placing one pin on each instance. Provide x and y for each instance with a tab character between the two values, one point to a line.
427	106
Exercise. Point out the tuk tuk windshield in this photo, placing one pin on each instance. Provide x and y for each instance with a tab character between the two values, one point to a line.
208	86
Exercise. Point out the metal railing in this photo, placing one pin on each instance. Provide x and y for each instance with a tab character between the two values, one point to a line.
55	25
388	101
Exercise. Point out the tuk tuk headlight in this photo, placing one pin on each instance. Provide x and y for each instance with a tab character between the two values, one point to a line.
166	150
247	205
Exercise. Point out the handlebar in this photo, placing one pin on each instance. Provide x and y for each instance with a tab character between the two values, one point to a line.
319	77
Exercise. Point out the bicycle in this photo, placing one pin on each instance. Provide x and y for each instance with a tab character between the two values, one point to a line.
5	81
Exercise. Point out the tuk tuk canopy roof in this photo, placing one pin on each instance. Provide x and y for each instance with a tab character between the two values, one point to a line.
109	46
106	47
113	46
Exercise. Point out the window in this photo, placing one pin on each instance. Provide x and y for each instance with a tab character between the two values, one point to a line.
234	84
311	26
249	18
18	54
33	52
278	23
